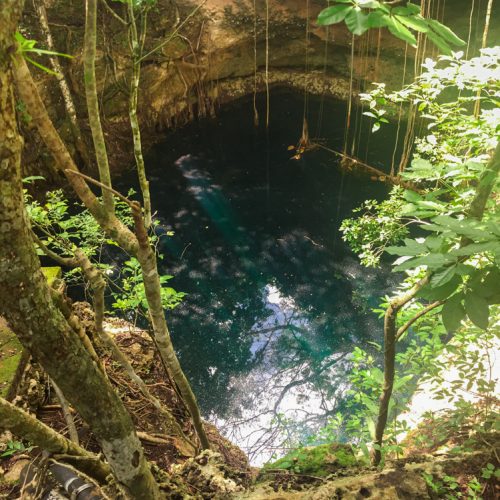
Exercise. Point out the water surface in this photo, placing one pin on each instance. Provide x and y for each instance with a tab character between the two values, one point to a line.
276	301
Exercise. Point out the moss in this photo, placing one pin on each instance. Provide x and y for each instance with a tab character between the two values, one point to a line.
52	273
10	355
316	461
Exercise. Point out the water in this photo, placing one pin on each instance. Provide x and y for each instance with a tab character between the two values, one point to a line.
276	301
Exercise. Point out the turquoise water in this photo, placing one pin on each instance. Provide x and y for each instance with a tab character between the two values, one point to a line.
275	300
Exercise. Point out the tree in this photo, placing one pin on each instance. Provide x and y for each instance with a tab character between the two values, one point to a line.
456	168
27	304
135	242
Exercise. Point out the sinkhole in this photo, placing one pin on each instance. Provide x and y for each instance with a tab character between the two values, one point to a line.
275	300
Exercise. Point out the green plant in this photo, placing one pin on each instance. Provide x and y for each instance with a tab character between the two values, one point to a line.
26	47
15	447
401	20
132	296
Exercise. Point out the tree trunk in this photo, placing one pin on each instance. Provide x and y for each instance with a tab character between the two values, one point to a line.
25	301
89	53
116	231
22	424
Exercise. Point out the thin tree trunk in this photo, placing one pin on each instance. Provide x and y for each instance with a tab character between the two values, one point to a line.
152	287
24	426
63	84
89	54
25	302
97	283
137	43
115	230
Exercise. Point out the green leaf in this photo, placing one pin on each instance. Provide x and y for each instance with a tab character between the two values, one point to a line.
432	261
475	248
416	23
333	15
478	310
357	21
453	313
441	292
445	33
462	227
439	43
400	31
411	196
442	277
377	19
409	9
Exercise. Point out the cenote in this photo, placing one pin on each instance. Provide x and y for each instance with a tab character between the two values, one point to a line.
275	300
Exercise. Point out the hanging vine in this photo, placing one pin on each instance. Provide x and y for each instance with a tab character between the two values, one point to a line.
267	64
255	112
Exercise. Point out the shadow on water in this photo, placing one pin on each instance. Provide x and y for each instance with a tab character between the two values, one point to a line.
276	301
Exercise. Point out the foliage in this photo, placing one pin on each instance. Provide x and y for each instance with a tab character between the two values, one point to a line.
26	47
401	20
364	233
63	228
132	295
15	447
460	253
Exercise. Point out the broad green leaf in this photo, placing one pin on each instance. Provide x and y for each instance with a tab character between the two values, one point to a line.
432	261
445	33
453	313
378	19
475	248
440	278
371	427
400	31
409	9
411	196
416	23
439	43
411	248
464	227
357	21
333	15
477	309
442	292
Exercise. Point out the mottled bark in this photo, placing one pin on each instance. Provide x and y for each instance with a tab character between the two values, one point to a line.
136	46
89	54
23	425
26	303
115	230
152	287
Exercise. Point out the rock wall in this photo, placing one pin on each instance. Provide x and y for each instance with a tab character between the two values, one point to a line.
218	56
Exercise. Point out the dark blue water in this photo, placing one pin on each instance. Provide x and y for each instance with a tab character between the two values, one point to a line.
275	299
